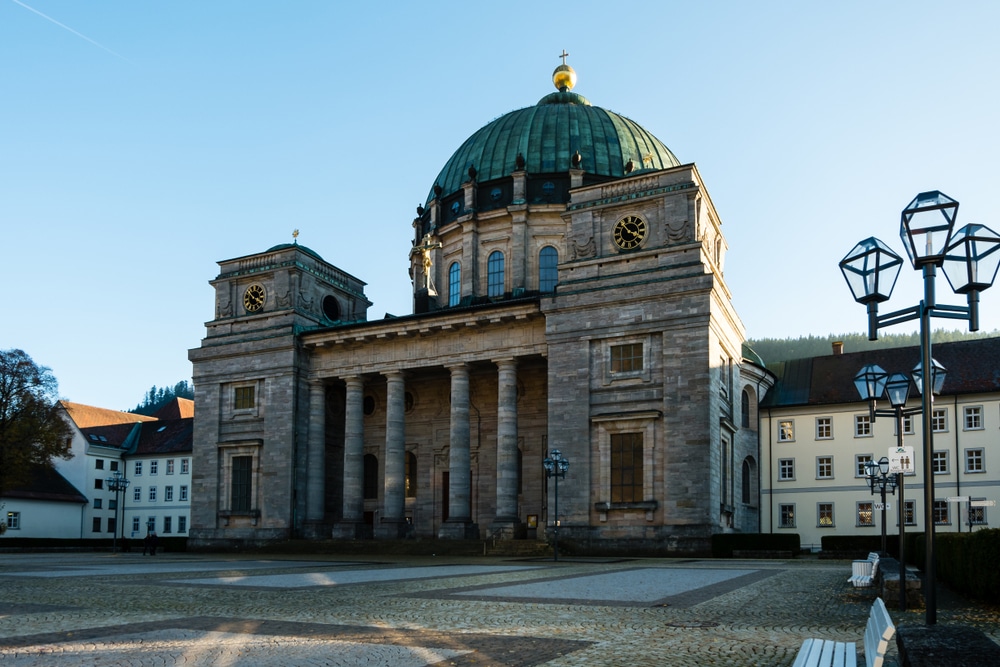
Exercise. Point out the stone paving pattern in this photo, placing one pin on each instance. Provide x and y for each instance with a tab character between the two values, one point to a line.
177	609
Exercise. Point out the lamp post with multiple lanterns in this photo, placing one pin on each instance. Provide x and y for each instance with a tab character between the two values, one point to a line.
969	259
118	484
555	466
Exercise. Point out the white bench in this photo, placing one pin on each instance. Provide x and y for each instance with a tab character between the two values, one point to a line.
825	653
863	572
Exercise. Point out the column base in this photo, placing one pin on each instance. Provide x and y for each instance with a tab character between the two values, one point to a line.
461	529
509	528
351	530
391	528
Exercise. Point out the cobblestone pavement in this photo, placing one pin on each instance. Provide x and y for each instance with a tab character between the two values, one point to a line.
60	610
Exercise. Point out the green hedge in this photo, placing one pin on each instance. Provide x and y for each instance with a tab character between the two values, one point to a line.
724	544
55	544
967	561
860	545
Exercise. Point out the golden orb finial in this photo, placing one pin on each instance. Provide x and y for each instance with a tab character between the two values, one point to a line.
564	77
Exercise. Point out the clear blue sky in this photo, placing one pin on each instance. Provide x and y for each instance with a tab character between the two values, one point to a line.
142	142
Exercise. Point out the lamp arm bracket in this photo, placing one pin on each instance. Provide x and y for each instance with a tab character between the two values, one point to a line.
899	316
950	312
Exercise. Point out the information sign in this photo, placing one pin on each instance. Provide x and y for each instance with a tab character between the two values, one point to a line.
901	460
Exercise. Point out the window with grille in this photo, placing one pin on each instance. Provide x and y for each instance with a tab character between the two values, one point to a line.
626	358
824	467
859	464
244	398
824	512
939	420
865	514
941	512
862	426
626	468
973	418
242	484
824	428
786	516
939	463
454	284
974	460
786	469
786	430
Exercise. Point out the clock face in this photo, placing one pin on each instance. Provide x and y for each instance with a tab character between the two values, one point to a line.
253	298
630	232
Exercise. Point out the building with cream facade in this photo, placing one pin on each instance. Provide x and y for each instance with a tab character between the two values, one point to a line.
816	437
568	294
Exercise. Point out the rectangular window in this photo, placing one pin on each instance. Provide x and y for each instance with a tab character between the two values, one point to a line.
862	426
182	524
939	463
824	467
243	398
137	468
865	514
99	464
975	460
13	520
859	464
185	466
170	466
153	467
786	430
151	524
786	518
112	525
910	512
112	503
908	424
114	466
241	491
183	494
626	358
98	503
98	483
137	494
167	524
626	468
977	515
824	428
168	494
941	512
96	527
939	420
135	524
786	469
974	418
152	494
824	515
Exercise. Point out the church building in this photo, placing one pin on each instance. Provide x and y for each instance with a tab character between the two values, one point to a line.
568	294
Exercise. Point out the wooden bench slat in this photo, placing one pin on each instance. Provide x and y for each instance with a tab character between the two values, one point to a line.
826	653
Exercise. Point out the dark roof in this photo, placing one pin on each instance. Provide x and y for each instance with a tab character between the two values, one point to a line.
113	435
972	366
166	436
178	408
45	483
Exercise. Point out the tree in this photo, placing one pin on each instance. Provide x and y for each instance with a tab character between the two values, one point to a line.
157	397
32	429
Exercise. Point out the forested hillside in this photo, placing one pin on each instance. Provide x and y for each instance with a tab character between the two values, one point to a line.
772	350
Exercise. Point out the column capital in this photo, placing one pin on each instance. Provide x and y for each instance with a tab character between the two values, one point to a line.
505	362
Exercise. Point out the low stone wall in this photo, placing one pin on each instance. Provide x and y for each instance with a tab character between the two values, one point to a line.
888	585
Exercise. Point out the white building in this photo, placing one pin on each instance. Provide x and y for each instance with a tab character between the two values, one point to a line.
816	435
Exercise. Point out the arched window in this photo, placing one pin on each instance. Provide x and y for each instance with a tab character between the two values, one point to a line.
371	477
548	258
745	409
748	482
411	475
494	274
454	284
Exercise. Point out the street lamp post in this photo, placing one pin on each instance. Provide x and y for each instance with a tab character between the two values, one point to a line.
118	484
555	466
969	259
880	480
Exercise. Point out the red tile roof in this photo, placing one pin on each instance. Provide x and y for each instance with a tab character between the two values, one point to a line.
86	416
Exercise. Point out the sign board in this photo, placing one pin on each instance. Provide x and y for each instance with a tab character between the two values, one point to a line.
901	460
880	506
983	503
958	499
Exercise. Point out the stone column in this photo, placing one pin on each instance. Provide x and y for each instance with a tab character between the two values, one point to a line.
506	517
316	473
459	524
352	520
392	523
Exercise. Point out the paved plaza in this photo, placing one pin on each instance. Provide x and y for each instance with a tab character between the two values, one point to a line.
63	610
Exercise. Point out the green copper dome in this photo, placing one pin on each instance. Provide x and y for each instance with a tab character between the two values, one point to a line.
548	135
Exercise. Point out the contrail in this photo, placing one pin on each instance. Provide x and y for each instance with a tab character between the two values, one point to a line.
66	27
